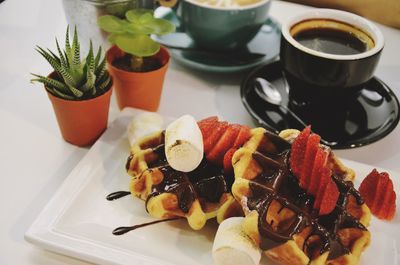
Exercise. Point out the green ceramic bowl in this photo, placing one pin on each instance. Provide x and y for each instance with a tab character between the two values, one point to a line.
222	28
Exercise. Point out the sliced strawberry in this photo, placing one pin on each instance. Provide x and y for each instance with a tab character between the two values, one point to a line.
378	192
212	140
243	136
207	126
228	167
368	186
298	151
329	198
392	209
226	141
385	206
324	179
211	119
319	163
309	157
308	162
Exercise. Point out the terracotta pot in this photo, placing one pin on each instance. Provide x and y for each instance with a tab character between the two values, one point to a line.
138	89
81	122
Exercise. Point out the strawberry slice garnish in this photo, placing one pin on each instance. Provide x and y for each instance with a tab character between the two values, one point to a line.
368	186
329	198
217	153
213	139
324	180
309	157
388	208
207	126
228	168
298	151
378	193
308	162
220	137
243	136
319	163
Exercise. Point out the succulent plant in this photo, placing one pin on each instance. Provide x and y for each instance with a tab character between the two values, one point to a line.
132	35
75	79
119	8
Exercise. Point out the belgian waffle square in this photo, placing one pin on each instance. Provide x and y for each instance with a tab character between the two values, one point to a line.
198	195
278	214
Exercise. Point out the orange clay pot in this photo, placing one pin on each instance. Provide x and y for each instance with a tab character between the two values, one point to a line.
138	89
81	122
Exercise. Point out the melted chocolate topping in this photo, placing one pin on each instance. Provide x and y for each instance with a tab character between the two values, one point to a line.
117	195
125	229
128	162
207	181
276	184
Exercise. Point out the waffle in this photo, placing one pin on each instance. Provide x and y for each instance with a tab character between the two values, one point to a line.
198	195
279	214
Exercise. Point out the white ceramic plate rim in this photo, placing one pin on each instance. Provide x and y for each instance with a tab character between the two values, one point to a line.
45	234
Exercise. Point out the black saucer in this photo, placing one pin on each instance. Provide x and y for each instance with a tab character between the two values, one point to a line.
366	117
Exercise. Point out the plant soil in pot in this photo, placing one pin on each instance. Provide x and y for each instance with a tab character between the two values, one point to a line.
79	91
138	89
137	63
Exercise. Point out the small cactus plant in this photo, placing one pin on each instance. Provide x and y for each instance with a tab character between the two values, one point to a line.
75	79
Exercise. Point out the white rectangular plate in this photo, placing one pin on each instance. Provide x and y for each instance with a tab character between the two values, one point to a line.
78	221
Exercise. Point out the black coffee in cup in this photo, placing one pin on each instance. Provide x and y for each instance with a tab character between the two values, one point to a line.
328	56
331	36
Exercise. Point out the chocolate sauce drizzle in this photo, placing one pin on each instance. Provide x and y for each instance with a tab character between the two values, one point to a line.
276	184
128	162
125	229
117	195
207	181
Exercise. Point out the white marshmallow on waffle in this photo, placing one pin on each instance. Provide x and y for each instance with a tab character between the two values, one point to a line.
233	246
144	124
184	144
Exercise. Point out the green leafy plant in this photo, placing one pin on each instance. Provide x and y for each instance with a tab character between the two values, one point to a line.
119	8
74	79
132	34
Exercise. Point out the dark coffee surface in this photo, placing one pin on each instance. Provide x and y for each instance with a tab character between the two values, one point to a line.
331	41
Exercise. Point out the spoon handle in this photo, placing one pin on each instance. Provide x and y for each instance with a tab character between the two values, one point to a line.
298	119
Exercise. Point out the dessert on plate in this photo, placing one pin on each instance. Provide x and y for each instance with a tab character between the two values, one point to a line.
201	193
290	196
275	183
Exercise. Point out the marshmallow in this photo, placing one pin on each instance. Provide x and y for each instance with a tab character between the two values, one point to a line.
144	124
233	246
184	144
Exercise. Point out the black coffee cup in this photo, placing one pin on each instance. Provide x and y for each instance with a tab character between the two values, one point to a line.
328	54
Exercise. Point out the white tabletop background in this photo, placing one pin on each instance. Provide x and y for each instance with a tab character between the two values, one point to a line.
34	160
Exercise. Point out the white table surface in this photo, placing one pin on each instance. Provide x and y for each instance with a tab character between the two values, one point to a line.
34	160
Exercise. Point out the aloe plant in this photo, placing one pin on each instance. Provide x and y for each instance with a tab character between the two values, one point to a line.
132	34
75	79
